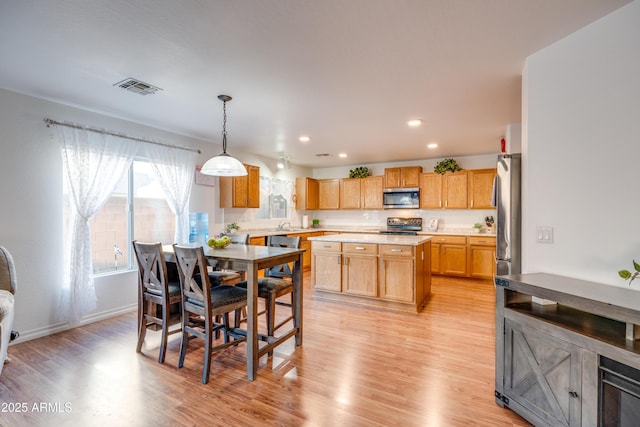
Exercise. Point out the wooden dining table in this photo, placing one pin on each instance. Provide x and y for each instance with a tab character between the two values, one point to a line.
251	259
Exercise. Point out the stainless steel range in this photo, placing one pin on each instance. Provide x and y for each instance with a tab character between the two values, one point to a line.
403	226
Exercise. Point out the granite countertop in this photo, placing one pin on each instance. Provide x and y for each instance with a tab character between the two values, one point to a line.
380	239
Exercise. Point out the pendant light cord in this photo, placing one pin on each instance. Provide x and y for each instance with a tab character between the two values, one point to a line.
224	127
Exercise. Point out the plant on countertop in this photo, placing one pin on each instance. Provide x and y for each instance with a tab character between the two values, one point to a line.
447	165
477	225
233	226
360	172
627	275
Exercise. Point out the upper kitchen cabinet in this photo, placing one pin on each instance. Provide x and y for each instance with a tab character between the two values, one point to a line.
480	188
307	193
455	190
430	191
403	177
329	194
361	193
241	191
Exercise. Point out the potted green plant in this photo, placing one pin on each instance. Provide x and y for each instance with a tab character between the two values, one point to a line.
233	227
360	172
315	223
447	165
627	275
477	227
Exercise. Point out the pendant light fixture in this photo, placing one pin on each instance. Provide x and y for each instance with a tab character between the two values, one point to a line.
223	164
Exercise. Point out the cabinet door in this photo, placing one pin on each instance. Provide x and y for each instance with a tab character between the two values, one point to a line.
392	178
253	186
410	176
430	191
372	187
435	258
306	193
482	257
543	374
397	280
455	190
480	188
350	193
360	275
329	194
453	259
326	271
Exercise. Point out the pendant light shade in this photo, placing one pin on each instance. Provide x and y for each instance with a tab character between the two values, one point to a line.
223	164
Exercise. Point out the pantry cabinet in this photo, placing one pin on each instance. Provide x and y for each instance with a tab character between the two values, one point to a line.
241	191
408	176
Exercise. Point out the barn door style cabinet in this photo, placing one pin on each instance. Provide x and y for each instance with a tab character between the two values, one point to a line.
562	345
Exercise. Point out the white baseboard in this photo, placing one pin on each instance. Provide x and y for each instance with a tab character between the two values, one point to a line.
63	326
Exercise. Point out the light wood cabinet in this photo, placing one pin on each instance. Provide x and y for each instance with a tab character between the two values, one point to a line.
482	256
480	188
241	191
305	244
402	177
307	193
397	272
328	194
455	190
449	255
360	269
350	193
326	271
257	241
361	193
430	190
372	187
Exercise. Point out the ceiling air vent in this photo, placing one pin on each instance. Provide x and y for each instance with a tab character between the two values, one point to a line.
136	86
323	155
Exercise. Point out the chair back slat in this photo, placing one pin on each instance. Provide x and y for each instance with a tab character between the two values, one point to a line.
152	269
191	262
282	270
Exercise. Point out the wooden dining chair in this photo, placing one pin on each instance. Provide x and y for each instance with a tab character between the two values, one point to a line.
226	276
277	282
157	294
202	304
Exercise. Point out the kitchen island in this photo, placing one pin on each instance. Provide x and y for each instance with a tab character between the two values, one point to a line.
378	270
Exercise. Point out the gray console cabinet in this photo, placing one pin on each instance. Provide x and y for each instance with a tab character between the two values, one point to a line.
550	334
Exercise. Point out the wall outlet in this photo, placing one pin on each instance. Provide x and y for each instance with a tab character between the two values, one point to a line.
544	234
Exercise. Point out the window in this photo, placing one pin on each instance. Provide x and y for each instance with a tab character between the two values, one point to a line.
274	198
136	210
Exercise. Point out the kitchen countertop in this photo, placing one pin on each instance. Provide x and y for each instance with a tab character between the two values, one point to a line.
380	239
356	229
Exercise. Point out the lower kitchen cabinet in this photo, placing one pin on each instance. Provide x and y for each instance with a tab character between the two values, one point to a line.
360	269
326	259
383	275
306	245
482	257
449	255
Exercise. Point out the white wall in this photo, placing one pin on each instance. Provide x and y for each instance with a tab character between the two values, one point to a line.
581	146
31	207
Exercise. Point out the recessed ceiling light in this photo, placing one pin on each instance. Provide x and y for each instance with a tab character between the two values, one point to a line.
304	138
432	145
343	155
414	123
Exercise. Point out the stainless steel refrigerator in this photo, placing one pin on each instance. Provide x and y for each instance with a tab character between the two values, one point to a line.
507	201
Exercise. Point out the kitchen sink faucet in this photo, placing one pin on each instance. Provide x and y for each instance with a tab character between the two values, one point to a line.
284	224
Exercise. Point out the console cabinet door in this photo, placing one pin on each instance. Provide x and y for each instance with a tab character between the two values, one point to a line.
543	374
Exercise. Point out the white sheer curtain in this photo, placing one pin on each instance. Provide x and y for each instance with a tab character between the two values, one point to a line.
174	169
93	164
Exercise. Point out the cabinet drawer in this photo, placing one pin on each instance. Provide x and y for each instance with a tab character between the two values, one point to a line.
482	241
451	240
361	248
396	250
326	246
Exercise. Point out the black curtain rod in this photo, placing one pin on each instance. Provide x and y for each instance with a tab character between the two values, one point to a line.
50	122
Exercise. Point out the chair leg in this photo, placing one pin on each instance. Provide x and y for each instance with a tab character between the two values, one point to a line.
225	322
165	333
142	325
206	369
270	307
185	339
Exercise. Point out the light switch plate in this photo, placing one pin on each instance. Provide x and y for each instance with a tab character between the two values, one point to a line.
544	234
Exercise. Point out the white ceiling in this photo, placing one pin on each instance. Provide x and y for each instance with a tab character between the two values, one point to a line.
348	73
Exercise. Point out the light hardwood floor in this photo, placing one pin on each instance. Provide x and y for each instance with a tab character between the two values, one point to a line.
357	367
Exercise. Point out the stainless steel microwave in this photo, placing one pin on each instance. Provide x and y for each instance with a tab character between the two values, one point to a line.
401	198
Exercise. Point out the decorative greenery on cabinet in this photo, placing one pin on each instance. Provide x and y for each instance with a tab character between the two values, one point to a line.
360	172
447	165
